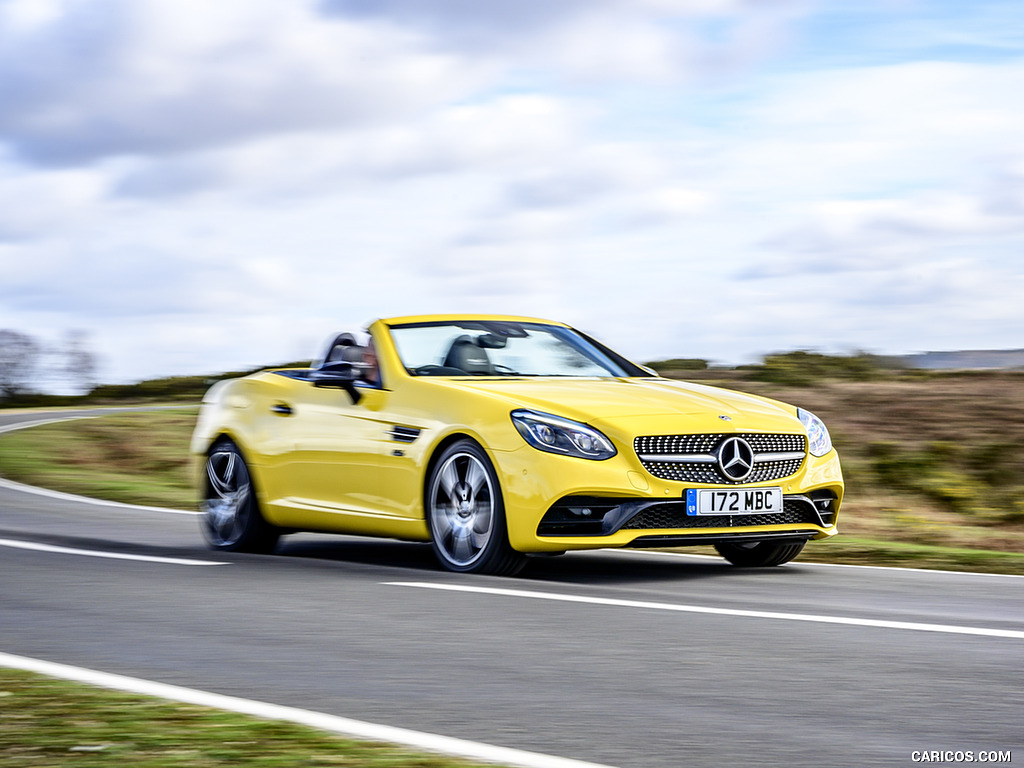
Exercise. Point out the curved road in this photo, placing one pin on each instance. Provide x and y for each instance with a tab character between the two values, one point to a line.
628	659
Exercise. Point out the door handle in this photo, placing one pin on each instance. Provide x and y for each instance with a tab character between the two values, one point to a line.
282	409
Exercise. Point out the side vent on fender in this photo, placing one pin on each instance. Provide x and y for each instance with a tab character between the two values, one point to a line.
404	434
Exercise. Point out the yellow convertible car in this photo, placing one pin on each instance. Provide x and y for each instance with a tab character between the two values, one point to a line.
497	437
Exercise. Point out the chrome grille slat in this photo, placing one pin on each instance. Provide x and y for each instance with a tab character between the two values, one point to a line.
691	458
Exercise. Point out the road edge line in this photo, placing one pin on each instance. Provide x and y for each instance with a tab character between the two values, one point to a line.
13	485
35	546
344	726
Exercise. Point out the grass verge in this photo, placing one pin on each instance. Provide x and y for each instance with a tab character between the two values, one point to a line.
49	722
136	458
861	551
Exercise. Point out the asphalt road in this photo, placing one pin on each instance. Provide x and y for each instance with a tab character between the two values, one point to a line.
330	624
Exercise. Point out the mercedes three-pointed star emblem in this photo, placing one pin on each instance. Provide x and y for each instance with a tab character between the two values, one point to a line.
735	459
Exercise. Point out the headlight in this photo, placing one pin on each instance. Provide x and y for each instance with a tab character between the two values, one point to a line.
817	435
557	435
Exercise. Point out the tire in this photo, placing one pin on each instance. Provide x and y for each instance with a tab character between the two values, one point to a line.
466	514
231	518
759	554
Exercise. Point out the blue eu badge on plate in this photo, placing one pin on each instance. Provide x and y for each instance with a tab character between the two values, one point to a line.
691	502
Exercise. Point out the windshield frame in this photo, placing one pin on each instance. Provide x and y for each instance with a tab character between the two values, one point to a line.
613	364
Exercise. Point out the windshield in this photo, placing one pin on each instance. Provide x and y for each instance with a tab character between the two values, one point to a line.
482	348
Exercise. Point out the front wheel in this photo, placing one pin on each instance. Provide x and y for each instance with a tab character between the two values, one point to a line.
231	518
758	554
466	514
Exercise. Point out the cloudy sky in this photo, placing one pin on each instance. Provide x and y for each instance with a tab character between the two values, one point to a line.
209	186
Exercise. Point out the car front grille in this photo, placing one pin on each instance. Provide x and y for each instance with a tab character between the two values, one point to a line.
693	458
673	515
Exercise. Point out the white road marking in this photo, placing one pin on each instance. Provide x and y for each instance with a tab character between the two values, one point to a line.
21	487
820	619
803	563
36	547
342	725
39	423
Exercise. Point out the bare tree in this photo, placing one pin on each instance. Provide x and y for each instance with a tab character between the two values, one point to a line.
79	362
19	356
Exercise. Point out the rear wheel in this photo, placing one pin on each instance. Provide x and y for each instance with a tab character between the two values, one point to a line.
231	518
466	514
757	554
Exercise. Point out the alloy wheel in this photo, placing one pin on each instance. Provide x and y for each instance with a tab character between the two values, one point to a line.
227	499
462	509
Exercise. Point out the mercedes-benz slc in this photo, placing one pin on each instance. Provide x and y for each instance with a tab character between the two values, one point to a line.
495	438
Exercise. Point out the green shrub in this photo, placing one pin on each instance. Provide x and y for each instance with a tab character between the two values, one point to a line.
959	480
803	368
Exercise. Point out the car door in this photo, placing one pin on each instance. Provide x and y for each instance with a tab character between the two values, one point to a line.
347	468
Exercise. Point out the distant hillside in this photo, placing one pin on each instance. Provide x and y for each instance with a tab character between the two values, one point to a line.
977	359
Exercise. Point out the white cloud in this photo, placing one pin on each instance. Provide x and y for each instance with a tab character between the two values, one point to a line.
594	40
497	135
124	77
34	203
216	186
896	170
25	16
925	121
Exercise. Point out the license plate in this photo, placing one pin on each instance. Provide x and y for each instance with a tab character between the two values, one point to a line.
755	501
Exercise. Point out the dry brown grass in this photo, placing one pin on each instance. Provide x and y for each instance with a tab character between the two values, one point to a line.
935	459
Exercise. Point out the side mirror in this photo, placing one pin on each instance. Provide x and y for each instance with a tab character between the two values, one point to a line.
340	375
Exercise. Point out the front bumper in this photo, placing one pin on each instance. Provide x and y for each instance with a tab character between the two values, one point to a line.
546	497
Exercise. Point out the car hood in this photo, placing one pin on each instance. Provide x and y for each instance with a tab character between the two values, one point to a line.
642	405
